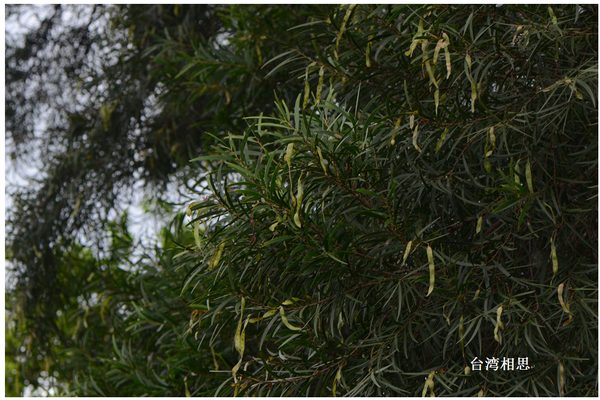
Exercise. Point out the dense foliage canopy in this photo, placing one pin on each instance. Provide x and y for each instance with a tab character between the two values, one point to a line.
377	197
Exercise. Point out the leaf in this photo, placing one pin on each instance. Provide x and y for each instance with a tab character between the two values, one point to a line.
461	328
277	240
431	270
370	193
505	205
285	320
561	367
473	95
197	231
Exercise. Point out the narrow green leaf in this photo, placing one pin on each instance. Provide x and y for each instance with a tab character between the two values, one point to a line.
278	239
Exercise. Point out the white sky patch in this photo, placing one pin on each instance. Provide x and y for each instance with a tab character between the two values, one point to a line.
142	226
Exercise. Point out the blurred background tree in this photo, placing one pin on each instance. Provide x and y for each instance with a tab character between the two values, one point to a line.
378	195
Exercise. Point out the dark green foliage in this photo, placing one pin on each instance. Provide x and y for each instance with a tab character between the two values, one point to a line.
391	192
501	172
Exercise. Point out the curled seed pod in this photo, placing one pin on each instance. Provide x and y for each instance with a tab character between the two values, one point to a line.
499	324
285	320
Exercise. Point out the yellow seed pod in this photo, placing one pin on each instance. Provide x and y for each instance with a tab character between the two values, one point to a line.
288	154
306	89
285	320
499	324
406	252
431	270
414	138
488	167
320	85
321	159
342	28
498	316
447	54
479	223
436	52
441	141
473	94
216	257
300	194
432	79
429	384
528	176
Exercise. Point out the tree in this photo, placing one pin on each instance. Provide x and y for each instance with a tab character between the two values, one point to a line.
119	119
117	122
433	203
421	196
